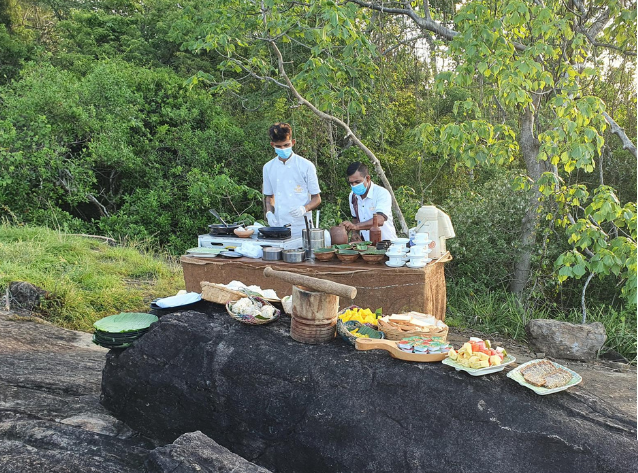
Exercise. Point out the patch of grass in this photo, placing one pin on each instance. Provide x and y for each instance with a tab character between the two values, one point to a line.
87	278
500	312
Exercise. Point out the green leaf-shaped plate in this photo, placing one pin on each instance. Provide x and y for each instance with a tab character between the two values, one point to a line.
125	322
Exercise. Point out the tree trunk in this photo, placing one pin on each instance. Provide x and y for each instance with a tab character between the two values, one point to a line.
529	147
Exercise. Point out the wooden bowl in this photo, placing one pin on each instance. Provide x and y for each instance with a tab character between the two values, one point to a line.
347	256
243	233
373	258
324	255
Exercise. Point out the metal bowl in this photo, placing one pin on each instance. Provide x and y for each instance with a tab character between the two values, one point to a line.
271	253
293	256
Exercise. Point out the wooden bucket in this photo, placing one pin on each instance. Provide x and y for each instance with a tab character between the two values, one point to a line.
314	316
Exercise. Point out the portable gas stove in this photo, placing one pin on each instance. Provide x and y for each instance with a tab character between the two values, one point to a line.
209	241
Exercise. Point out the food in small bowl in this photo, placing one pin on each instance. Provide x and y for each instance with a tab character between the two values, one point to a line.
373	256
243	232
348	256
324	254
344	246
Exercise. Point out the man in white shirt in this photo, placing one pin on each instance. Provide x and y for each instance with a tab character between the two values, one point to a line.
290	185
366	200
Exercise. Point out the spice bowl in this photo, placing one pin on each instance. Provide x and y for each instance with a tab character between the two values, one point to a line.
347	256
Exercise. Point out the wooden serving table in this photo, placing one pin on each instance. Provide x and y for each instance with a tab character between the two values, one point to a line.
395	290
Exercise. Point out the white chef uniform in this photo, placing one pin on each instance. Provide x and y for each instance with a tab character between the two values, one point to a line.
292	183
377	201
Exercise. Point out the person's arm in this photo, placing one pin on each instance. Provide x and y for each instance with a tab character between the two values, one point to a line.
269	203
269	198
315	201
366	225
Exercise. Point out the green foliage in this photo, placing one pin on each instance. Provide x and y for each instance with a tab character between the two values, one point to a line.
87	279
513	54
486	221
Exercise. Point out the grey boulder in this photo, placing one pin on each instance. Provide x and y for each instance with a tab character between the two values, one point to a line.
564	340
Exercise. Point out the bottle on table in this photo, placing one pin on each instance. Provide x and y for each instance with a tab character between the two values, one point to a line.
375	230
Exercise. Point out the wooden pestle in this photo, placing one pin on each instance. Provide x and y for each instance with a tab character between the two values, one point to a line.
321	285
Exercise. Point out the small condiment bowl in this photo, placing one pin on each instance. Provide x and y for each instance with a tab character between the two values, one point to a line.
243	232
347	256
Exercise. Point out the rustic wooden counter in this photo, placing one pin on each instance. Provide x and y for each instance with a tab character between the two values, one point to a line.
395	290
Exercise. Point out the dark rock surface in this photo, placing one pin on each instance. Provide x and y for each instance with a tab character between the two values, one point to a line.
194	452
566	340
50	416
292	407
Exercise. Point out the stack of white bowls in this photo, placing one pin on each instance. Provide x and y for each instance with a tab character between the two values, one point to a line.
418	254
397	253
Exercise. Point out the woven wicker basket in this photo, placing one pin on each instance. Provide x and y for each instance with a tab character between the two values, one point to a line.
219	294
251	319
343	328
394	331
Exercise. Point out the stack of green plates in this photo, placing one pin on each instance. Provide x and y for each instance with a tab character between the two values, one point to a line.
121	330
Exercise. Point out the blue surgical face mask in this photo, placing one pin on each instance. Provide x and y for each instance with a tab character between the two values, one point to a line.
359	189
284	153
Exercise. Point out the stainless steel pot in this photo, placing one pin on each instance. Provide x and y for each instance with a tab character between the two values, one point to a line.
316	238
293	256
271	253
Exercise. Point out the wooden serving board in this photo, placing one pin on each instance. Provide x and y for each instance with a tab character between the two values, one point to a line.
395	351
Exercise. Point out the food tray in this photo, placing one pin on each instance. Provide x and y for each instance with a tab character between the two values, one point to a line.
480	371
391	347
518	377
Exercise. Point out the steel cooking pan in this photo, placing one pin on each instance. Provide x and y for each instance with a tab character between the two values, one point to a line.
223	229
275	232
219	229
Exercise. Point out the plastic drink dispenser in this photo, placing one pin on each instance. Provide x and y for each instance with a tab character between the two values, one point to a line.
437	224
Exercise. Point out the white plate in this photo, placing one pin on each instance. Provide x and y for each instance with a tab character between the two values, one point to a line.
394	265
415	266
201	250
480	371
518	377
203	255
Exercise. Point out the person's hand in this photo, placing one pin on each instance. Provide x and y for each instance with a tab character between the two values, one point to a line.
298	212
349	225
272	220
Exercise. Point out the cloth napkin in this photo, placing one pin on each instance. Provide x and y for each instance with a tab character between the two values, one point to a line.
178	300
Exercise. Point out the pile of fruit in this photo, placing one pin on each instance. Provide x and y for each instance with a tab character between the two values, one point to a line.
478	354
364	316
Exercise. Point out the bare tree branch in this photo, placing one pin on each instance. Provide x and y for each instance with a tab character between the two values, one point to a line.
349	133
615	128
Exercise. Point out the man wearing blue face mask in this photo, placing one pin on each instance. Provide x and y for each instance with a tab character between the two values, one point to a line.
366	200
290	185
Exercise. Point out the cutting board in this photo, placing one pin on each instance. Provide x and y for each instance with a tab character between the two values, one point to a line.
395	351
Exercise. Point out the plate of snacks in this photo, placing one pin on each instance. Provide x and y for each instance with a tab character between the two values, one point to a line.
252	311
544	376
478	358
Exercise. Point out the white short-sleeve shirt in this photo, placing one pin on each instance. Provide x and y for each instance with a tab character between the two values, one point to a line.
378	201
292	183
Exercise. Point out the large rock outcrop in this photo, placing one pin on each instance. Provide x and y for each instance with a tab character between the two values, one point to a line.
50	416
292	407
